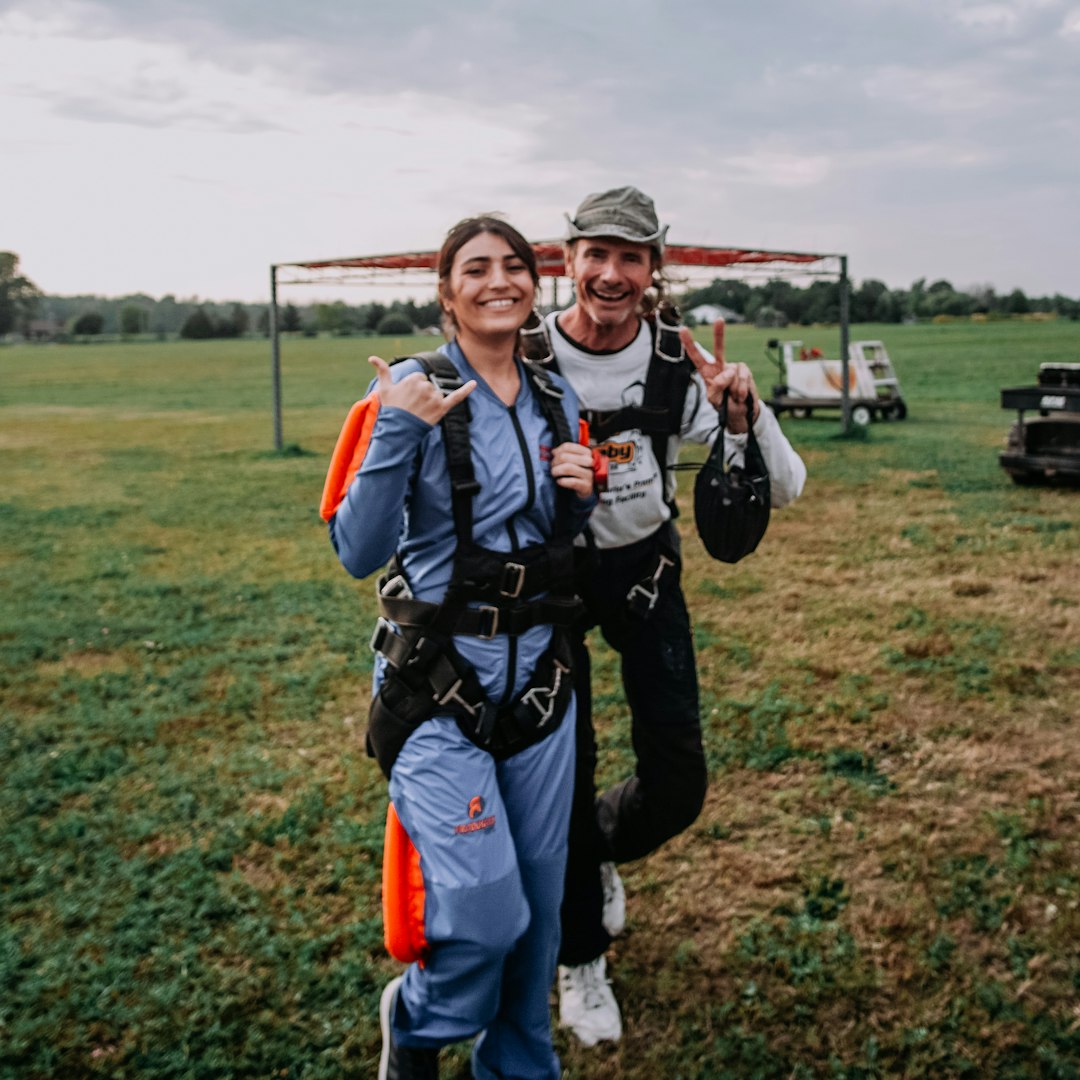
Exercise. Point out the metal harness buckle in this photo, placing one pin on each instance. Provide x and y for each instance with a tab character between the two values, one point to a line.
453	695
649	590
515	572
444	386
396	586
493	614
532	696
382	631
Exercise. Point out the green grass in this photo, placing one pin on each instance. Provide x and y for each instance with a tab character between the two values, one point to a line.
883	882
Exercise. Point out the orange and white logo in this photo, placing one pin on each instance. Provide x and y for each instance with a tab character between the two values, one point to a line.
476	807
618	453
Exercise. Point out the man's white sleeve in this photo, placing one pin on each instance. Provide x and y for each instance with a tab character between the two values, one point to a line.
787	471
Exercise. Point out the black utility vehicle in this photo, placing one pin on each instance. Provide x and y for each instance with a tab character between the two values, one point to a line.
1046	448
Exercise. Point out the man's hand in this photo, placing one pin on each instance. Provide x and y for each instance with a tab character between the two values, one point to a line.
737	379
572	467
416	393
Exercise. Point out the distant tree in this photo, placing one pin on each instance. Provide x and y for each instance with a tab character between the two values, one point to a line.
233	325
916	299
1066	308
290	318
864	300
198	326
134	319
371	315
393	323
166	318
428	314
943	299
1017	303
19	296
983	299
886	308
734	295
821	303
240	319
262	322
88	324
770	317
335	318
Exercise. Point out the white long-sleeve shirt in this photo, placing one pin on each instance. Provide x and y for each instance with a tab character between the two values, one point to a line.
635	504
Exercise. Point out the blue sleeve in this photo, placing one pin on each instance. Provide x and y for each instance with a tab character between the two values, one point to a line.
580	509
367	526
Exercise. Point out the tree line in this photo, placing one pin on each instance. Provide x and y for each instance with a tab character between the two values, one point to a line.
778	302
25	309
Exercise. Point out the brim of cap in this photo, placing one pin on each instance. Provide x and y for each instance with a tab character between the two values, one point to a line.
617	232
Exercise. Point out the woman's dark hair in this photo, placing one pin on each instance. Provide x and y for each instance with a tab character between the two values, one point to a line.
461	234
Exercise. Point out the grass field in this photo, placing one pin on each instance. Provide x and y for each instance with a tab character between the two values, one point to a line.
886	876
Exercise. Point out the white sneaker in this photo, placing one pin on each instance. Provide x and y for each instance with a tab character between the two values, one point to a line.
614	916
586	1004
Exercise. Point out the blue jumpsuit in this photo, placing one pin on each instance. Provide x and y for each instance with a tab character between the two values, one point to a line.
491	835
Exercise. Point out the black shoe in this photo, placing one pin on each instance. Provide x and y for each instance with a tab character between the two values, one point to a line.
402	1062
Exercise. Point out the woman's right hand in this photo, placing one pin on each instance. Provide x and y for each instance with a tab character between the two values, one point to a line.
416	393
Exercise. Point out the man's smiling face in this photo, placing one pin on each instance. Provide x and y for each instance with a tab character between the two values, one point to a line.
610	277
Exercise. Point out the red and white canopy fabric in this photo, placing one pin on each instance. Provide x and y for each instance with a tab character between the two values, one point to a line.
549	257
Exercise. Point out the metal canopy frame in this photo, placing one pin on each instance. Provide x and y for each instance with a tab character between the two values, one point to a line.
417	267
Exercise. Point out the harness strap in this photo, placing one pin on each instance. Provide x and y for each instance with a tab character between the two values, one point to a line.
455	427
433	678
667	380
427	673
487	620
649	421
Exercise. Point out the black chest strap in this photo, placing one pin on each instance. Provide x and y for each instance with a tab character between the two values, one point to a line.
426	672
458	444
667	382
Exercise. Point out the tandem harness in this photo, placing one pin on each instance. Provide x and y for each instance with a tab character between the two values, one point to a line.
490	593
659	416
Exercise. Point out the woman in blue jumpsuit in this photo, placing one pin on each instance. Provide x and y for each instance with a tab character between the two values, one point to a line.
491	834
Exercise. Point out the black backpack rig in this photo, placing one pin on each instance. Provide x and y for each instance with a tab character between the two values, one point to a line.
425	673
659	416
667	381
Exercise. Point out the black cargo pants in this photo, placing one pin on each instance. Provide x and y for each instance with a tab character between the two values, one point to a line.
659	676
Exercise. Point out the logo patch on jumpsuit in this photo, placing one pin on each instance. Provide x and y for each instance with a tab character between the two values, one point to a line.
475	822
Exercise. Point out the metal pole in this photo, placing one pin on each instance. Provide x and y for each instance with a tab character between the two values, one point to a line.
845	391
275	358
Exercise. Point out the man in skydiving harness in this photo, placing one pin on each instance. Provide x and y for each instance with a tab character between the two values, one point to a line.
644	387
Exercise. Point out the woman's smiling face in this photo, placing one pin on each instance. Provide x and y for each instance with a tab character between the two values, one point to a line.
490	290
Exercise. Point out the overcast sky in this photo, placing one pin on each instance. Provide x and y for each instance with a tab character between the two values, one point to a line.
181	146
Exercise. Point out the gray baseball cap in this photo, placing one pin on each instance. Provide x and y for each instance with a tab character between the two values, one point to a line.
621	213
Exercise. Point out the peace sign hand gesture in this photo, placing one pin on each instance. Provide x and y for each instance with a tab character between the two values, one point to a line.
737	379
416	393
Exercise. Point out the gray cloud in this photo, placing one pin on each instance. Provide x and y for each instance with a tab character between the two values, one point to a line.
838	117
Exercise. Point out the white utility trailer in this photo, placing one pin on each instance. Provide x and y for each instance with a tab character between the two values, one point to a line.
810	381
